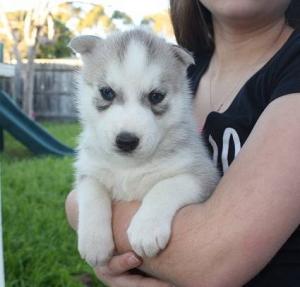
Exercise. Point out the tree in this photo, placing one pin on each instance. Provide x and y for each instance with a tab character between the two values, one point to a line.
122	16
42	32
36	27
95	17
160	23
10	25
58	47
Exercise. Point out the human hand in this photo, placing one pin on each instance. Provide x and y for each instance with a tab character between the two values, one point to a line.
116	273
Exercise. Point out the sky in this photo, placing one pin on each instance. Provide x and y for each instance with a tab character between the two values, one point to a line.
136	9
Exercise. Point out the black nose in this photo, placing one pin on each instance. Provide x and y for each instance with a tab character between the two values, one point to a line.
127	142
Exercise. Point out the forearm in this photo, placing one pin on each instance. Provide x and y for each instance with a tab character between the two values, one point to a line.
190	259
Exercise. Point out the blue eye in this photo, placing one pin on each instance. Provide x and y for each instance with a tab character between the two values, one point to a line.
156	97
107	93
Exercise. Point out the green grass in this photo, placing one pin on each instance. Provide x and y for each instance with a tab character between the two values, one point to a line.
39	246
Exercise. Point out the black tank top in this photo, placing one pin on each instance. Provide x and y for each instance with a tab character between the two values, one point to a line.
226	132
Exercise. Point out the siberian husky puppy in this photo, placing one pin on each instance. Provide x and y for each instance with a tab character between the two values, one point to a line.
139	141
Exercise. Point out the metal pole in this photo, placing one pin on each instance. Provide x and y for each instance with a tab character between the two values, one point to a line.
1	140
1	130
1	52
2	280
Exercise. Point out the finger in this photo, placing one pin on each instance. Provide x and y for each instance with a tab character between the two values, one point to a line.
138	281
121	263
129	280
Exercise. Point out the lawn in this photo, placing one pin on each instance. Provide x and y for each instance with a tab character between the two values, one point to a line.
39	246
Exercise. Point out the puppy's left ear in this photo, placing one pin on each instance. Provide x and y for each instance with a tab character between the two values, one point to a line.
183	55
84	44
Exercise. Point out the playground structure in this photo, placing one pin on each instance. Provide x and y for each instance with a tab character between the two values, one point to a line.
20	126
27	131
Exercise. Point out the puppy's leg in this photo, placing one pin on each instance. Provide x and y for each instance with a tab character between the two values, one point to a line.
95	240
150	228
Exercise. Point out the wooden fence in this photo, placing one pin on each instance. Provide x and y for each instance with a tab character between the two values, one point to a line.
54	90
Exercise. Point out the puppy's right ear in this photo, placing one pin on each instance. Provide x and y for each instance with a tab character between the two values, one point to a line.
183	55
84	44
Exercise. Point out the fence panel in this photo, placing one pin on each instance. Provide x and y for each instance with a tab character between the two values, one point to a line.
54	91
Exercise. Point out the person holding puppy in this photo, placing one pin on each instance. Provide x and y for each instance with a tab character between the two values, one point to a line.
246	83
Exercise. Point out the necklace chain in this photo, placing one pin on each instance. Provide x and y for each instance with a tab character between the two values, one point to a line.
225	99
220	106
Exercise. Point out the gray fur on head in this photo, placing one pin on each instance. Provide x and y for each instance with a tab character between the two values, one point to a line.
183	55
84	44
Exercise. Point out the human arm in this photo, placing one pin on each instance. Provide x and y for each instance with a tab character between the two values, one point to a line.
231	237
255	208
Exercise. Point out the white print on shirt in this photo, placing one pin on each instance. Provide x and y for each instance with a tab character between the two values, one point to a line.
227	135
214	148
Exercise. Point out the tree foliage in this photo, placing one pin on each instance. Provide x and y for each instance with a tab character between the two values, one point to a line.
28	28
66	11
159	22
95	17
16	20
122	16
58	47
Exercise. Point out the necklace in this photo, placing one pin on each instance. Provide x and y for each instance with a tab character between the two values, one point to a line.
226	97
239	82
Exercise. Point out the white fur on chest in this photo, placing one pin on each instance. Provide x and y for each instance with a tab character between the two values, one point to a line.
132	182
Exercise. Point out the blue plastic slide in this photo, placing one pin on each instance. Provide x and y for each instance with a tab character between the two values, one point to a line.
27	131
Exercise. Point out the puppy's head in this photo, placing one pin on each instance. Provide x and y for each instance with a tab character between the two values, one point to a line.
133	90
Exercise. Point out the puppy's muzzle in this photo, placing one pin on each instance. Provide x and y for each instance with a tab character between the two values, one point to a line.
127	142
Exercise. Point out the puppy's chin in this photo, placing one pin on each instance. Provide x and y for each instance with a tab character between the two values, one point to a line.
137	155
133	158
126	154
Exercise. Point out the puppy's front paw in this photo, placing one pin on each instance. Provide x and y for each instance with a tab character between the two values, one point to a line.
95	248
148	234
